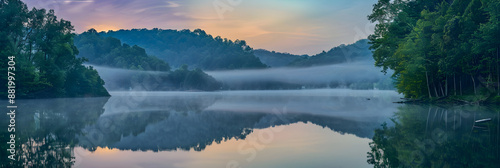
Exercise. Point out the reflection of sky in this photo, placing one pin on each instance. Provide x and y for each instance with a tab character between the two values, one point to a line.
295	26
295	145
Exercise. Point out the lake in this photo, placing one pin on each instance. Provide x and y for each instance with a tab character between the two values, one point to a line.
254	129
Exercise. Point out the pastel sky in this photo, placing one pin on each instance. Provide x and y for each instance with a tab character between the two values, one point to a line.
294	26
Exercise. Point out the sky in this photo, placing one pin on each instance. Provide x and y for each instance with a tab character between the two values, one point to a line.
293	26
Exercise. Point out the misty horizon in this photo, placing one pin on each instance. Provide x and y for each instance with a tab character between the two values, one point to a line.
362	71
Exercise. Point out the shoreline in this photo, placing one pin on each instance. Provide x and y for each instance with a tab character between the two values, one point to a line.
456	100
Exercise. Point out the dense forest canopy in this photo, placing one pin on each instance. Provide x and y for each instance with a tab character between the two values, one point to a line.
195	48
276	59
45	61
109	51
439	48
358	51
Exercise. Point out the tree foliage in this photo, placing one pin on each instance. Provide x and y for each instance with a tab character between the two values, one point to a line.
109	51
438	48
357	51
276	59
194	48
46	65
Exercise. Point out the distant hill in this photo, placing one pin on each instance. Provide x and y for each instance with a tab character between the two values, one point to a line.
109	51
357	51
276	59
195	48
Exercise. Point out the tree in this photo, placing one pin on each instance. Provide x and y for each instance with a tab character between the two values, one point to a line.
487	42
45	54
441	39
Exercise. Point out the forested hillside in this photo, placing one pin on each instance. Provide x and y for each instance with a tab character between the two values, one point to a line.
194	48
109	51
276	59
357	51
45	61
439	48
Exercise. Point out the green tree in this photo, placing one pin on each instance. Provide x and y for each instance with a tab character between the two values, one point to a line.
487	42
45	54
433	43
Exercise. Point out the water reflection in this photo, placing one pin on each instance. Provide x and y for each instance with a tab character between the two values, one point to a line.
208	129
55	132
168	121
46	130
430	136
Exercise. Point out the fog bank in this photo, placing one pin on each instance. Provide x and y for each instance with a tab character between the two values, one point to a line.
339	73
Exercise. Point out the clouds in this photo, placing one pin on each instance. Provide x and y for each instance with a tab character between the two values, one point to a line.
116	14
296	26
172	4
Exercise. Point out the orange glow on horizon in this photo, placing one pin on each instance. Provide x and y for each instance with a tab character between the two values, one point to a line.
106	151
100	28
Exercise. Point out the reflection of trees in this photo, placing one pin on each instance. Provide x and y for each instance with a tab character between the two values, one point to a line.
163	122
192	130
167	130
46	130
437	137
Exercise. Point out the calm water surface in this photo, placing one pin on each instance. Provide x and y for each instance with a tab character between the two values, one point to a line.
254	129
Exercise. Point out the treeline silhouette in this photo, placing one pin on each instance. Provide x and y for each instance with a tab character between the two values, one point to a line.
358	51
196	48
276	59
109	51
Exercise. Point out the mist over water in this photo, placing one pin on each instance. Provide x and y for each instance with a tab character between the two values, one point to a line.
115	78
109	73
338	73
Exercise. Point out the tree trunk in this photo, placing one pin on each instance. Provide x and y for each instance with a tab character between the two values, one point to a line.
498	77
441	87
446	86
454	84
460	86
428	87
435	90
474	84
